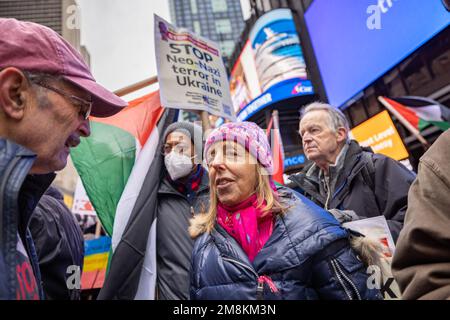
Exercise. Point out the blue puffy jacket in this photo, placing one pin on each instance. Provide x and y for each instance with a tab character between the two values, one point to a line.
308	256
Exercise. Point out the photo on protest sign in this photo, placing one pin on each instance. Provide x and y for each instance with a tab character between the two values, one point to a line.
191	72
81	203
82	208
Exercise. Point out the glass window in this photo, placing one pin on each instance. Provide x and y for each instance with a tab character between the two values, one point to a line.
227	47
223	26
197	28
194	9
219	5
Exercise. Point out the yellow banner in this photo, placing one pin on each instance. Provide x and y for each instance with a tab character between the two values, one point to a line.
380	134
94	262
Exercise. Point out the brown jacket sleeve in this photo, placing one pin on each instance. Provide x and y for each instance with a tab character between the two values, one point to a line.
421	263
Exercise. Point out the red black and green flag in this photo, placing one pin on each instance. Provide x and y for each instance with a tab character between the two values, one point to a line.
422	112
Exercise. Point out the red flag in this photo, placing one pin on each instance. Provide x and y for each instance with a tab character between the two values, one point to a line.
277	150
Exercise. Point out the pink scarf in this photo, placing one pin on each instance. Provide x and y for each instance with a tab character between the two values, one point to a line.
247	224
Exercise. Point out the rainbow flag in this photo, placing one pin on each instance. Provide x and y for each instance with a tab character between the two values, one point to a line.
105	160
96	253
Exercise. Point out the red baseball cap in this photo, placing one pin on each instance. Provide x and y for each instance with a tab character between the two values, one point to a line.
32	47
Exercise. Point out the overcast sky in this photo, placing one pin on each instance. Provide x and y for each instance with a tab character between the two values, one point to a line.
119	37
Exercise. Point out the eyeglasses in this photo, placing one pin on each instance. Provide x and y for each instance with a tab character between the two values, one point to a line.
180	148
85	106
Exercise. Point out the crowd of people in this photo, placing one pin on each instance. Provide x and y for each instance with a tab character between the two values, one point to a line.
225	229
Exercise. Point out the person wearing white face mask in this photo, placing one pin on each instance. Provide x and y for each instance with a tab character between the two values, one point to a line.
182	193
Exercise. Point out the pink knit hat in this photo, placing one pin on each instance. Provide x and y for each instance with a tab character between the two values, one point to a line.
247	134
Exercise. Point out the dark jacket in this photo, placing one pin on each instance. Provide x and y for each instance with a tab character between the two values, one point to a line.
19	195
59	244
308	256
421	262
126	266
174	245
369	189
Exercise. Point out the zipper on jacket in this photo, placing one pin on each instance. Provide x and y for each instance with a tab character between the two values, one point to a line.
260	279
260	286
327	182
341	276
355	289
260	290
242	265
273	288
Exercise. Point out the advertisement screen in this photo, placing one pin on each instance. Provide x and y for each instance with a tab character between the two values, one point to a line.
271	67
356	42
244	83
276	45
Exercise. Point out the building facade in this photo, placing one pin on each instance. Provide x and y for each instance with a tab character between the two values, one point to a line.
423	69
218	20
62	16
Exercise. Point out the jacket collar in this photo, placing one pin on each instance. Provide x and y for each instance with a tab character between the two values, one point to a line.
333	168
33	186
308	178
31	192
352	164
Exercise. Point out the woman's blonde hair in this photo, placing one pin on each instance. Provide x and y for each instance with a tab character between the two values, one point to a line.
204	222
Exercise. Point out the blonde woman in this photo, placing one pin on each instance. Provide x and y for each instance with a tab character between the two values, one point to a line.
261	242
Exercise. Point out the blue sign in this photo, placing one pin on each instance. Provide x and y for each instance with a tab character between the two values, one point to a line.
356	42
282	90
294	161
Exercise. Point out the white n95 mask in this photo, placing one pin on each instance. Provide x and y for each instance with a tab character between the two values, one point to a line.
178	165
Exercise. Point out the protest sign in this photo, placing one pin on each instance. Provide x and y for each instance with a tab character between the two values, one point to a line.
81	203
191	73
376	230
380	134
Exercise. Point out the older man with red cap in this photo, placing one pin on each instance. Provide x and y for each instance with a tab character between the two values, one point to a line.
46	96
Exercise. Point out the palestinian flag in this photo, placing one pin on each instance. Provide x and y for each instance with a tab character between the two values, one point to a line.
104	160
422	112
120	167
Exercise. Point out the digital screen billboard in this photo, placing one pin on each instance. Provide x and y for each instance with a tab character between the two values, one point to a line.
356	42
271	66
244	83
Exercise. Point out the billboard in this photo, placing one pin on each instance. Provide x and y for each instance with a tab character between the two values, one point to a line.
271	66
244	83
380	134
356	42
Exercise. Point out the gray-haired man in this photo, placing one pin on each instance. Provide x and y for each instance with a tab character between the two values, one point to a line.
345	178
